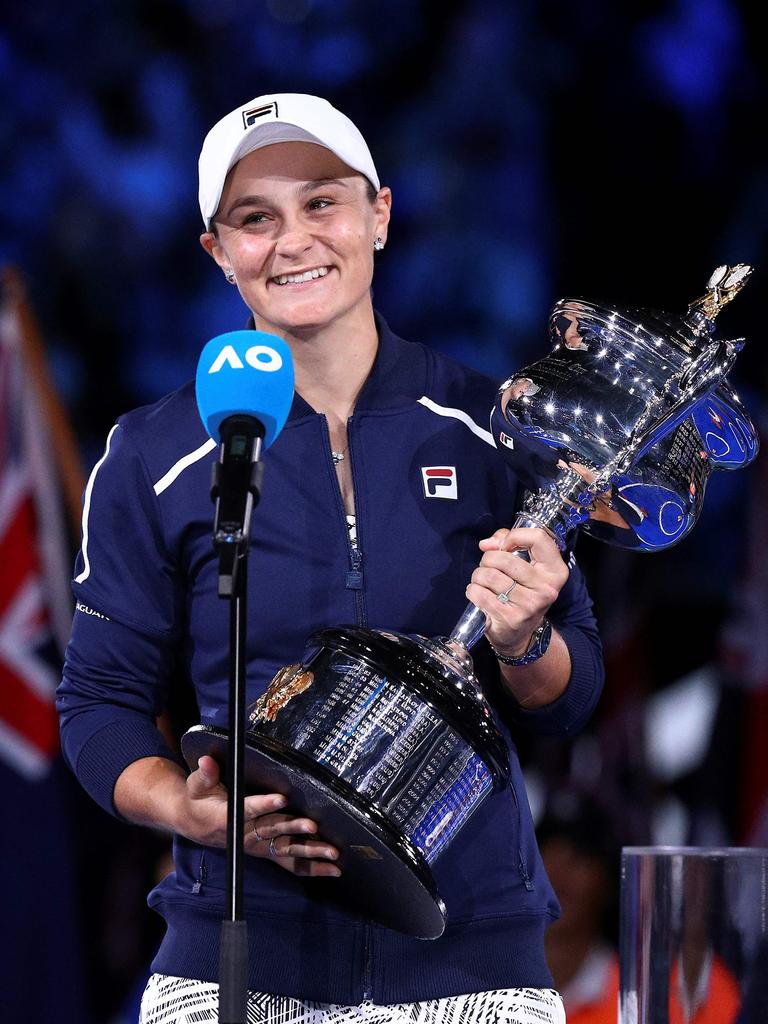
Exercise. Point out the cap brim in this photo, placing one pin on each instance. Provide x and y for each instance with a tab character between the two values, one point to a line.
269	135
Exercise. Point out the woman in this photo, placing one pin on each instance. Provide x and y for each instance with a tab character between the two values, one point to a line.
293	213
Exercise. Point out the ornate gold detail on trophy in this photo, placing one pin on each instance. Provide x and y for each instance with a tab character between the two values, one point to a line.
724	284
287	684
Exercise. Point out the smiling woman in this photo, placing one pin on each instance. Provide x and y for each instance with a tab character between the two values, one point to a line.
296	229
293	212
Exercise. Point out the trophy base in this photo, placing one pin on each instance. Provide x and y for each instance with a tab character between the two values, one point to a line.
384	876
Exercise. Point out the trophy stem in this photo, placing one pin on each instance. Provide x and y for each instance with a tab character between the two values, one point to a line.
557	509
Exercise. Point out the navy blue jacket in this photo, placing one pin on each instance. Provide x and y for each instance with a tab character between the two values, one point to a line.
148	614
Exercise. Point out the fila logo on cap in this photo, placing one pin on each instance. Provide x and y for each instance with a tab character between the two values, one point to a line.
250	117
439	481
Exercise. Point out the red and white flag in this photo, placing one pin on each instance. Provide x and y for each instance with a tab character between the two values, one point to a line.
35	563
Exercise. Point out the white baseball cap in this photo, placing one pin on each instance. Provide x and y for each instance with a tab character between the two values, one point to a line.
280	117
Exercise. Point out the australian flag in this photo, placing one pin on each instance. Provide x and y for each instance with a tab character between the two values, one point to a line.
40	963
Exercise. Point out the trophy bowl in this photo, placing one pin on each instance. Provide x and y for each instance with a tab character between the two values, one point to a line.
377	739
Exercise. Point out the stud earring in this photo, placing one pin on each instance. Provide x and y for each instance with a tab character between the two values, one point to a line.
378	243
230	276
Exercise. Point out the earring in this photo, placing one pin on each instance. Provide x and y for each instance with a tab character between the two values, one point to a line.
378	243
230	276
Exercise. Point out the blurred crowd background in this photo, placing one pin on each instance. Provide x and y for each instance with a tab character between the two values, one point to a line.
535	150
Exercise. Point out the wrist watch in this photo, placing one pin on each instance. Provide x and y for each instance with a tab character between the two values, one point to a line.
536	648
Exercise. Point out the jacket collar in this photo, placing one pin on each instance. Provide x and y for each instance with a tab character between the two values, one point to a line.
399	373
398	376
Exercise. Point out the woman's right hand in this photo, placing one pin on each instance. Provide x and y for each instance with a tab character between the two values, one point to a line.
201	815
157	792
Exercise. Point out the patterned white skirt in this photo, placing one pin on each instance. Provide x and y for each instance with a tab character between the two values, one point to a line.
169	1000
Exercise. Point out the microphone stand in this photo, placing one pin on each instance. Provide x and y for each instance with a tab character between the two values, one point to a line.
236	490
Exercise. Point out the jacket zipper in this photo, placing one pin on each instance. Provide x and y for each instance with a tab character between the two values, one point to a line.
353	581
353	578
521	865
367	992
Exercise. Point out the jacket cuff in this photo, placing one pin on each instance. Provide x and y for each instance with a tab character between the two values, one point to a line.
109	752
573	707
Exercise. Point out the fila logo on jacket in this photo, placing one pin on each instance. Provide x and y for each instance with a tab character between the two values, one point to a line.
439	482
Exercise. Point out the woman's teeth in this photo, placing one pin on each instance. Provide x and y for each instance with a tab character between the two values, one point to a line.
308	275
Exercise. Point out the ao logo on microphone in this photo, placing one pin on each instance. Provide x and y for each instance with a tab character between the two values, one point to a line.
260	357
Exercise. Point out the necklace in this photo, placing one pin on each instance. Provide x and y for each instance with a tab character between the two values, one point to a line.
337	457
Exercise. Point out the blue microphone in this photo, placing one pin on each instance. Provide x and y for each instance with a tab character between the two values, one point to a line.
245	373
244	388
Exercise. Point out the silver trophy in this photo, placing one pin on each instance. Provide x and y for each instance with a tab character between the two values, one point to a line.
386	740
617	430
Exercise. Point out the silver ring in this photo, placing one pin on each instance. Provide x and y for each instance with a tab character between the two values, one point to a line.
272	850
258	835
504	597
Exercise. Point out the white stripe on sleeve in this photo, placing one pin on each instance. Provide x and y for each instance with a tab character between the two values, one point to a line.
87	508
184	462
458	414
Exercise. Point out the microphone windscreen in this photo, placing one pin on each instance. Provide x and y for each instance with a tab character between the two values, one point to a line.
248	373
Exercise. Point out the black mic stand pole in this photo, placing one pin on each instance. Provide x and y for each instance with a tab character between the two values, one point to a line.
236	490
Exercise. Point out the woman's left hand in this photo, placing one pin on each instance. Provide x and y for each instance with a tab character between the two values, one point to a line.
531	586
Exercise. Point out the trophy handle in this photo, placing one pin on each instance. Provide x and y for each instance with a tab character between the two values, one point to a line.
557	510
471	626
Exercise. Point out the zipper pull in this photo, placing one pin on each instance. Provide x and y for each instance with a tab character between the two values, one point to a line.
355	575
201	876
524	873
